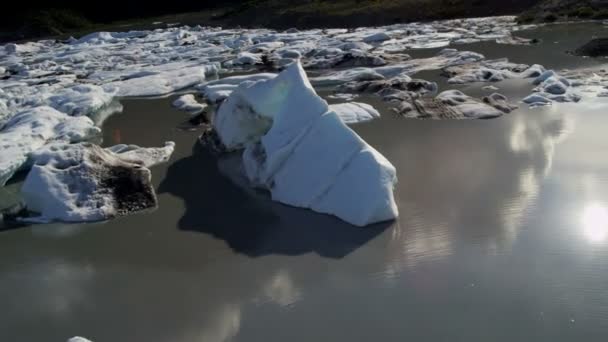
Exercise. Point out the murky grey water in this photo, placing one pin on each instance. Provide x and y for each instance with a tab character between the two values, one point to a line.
503	236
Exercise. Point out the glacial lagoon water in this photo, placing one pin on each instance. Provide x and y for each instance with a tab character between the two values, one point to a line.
502	236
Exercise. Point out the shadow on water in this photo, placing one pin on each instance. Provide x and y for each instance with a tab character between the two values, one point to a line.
253	224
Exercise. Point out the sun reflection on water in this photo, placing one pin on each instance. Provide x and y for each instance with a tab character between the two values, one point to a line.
595	222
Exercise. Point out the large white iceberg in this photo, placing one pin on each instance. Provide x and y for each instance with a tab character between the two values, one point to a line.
303	153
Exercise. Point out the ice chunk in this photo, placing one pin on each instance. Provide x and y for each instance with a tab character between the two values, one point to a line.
161	83
300	150
246	58
236	80
354	112
31	129
551	87
467	106
544	76
454	104
147	156
83	182
217	93
187	103
82	99
78	339
344	76
377	37
554	86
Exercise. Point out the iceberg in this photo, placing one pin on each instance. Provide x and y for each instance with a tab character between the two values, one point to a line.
300	150
84	182
187	103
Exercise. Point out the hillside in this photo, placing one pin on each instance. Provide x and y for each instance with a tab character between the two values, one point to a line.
554	10
61	21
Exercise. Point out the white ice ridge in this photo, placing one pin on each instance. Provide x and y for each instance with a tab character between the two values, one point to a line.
298	148
83	182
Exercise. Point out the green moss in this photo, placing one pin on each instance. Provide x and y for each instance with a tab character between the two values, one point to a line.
582	12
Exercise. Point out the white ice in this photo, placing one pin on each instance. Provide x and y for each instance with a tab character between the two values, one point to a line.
188	103
354	112
77	182
33	128
283	125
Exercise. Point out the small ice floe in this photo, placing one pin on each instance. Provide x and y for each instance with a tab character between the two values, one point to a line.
161	83
377	37
350	59
551	87
354	112
282	124
31	129
490	88
513	40
343	96
344	76
187	103
84	182
490	71
454	104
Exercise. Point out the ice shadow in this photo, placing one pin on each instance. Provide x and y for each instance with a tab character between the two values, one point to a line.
249	221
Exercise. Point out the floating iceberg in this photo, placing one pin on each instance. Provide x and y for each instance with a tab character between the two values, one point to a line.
300	150
84	182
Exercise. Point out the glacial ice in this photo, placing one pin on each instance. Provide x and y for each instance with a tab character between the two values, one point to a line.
161	83
83	182
33	128
188	103
354	112
283	125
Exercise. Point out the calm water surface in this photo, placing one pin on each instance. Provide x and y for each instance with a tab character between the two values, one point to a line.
502	236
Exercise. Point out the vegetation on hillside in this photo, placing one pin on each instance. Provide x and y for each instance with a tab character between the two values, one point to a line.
560	10
80	18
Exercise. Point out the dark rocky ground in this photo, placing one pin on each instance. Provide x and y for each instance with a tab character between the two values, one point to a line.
559	10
